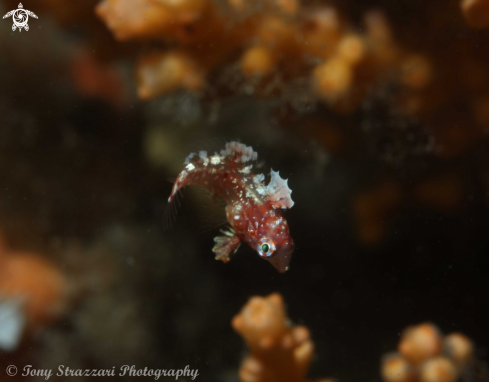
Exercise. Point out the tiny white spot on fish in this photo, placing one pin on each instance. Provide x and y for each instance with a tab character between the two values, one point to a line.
190	167
215	159
236	217
256	224
246	170
261	189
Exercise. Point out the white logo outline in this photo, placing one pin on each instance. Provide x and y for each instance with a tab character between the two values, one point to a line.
20	17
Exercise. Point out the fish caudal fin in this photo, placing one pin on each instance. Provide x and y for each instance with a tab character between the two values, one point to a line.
173	205
170	214
226	245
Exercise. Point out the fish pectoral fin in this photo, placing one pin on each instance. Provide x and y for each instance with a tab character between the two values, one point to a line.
226	245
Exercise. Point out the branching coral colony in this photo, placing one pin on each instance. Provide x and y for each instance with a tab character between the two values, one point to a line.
269	46
307	54
33	294
279	351
425	355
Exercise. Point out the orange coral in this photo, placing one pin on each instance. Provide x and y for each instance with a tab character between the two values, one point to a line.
438	369
40	286
476	12
269	46
396	368
136	19
459	348
278	37
279	351
167	71
420	342
426	356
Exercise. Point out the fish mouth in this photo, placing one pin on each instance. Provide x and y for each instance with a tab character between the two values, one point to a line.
282	257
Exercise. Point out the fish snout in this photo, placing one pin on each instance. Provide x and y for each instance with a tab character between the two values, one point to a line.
283	255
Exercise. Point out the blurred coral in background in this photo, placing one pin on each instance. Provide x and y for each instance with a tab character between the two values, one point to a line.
39	287
279	351
426	355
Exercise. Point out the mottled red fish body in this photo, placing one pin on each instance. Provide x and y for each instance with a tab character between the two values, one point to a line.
260	225
253	209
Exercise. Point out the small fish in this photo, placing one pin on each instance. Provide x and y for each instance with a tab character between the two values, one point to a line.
253	209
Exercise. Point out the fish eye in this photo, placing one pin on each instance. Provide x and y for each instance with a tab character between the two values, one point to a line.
266	247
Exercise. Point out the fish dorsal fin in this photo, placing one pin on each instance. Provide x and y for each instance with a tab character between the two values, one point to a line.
278	192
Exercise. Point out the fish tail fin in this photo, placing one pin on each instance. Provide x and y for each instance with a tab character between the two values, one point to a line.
171	210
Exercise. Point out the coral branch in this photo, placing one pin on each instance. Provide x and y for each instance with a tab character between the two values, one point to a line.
476	12
424	355
279	351
40	286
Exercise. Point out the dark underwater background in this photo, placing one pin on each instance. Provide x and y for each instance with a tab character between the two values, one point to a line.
388	233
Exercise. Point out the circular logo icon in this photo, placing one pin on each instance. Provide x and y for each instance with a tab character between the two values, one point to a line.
11	370
20	18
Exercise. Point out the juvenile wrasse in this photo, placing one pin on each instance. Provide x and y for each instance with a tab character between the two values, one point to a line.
253	209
